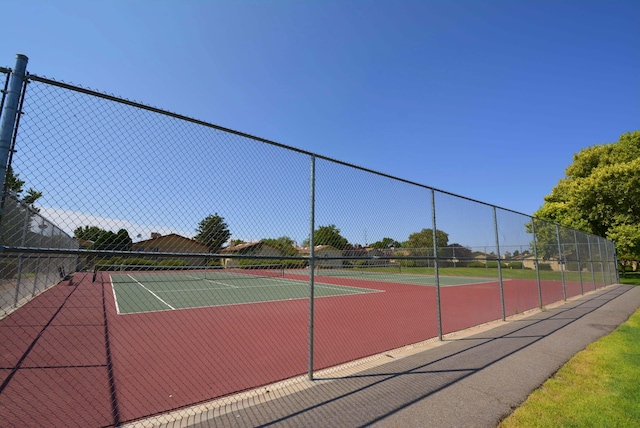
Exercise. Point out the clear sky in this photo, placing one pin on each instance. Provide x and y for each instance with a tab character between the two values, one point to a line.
485	99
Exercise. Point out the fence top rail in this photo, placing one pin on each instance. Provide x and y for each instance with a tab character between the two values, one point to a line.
120	100
130	103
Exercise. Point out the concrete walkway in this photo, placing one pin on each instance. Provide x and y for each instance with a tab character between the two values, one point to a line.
473	379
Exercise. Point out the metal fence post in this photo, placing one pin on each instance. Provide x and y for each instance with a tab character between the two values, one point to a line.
560	263
311	261
495	228
615	263
23	240
604	281
435	263
575	238
606	255
535	259
593	272
9	113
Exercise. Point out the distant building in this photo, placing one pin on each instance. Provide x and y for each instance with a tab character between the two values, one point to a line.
249	249
173	243
322	251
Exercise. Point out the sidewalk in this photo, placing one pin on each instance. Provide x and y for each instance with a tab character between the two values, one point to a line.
472	379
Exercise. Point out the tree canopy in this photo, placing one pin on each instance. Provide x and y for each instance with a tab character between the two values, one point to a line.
424	239
386	243
120	241
600	193
15	184
104	239
285	244
213	232
329	235
88	233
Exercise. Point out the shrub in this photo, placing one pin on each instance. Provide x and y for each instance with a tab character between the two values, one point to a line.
515	265
138	262
172	262
8	269
476	264
544	266
495	265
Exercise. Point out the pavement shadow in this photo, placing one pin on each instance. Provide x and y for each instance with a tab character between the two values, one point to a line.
371	396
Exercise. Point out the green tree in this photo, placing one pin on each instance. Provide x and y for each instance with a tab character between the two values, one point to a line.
420	244
213	232
424	240
457	254
120	241
18	209
285	244
89	233
386	243
600	193
627	239
329	235
16	185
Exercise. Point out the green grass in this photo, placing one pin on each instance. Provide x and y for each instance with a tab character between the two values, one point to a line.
631	278
506	273
598	387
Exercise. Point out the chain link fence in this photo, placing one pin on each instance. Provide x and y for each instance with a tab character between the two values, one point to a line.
190	281
27	274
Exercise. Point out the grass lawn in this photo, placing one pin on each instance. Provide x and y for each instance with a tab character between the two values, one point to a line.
598	387
506	273
631	278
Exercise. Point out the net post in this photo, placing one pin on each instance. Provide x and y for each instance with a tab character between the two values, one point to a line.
9	113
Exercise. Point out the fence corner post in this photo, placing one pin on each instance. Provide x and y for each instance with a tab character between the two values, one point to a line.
9	113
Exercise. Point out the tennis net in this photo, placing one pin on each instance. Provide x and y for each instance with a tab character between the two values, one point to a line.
352	270
146	273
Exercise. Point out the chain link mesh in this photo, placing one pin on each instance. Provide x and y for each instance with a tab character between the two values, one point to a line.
164	276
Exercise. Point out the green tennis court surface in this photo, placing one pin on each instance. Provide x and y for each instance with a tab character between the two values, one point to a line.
161	291
396	275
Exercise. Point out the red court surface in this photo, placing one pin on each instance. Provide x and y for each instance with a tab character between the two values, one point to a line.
68	359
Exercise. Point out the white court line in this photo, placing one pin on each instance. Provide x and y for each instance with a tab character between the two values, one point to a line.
355	289
115	298
152	293
215	282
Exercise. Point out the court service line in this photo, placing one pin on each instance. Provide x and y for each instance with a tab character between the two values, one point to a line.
215	282
152	293
353	290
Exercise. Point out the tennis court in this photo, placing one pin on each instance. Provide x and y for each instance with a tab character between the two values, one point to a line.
394	274
143	289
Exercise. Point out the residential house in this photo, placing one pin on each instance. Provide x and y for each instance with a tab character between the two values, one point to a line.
258	249
323	251
173	243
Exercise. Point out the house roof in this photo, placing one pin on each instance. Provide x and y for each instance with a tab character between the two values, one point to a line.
84	242
305	250
244	246
169	236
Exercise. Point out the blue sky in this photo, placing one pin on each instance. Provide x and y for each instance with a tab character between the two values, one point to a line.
485	99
